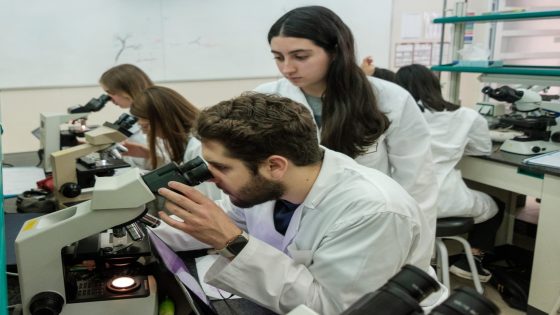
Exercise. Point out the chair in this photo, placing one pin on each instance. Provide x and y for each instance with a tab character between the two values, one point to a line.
451	228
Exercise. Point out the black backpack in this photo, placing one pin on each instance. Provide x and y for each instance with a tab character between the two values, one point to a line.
513	285
511	275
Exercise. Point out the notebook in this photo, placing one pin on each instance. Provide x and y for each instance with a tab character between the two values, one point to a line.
192	289
550	159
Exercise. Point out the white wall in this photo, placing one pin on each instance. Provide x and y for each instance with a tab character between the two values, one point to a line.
20	108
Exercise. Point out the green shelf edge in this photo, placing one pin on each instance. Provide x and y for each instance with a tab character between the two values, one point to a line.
520	70
499	17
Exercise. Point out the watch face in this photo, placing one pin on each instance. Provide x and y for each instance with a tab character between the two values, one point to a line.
237	244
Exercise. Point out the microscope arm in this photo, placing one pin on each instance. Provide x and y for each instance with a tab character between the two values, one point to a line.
64	162
532	100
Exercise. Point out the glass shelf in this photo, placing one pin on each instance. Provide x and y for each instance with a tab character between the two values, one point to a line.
497	16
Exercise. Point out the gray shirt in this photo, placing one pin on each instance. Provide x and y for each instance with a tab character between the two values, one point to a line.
316	105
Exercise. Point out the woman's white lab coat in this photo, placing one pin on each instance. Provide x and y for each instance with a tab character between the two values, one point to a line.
454	134
137	137
403	151
355	229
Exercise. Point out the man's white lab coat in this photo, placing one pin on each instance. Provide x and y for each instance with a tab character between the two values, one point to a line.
355	229
403	152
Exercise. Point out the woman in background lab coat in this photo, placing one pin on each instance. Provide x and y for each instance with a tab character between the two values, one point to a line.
123	83
167	118
456	131
371	120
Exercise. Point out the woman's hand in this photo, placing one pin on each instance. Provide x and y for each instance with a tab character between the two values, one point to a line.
136	150
368	67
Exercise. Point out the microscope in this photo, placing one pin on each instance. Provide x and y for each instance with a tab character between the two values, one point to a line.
56	278
76	167
402	294
52	138
531	115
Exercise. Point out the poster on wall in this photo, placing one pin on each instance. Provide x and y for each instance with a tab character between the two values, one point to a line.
436	52
404	53
422	53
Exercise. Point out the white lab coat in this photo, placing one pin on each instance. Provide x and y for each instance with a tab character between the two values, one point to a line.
454	134
355	229
403	152
137	137
210	190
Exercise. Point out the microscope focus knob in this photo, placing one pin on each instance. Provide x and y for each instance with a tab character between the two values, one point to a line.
70	190
46	303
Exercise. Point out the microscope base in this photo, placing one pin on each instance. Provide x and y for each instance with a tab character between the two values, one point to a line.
529	147
141	306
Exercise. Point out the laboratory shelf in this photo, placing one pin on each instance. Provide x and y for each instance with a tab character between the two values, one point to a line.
499	16
506	69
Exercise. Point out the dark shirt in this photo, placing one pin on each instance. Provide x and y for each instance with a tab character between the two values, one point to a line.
283	212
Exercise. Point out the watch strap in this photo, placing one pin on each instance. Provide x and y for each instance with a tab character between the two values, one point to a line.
228	251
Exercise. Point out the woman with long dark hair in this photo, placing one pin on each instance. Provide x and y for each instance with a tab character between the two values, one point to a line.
123	83
167	119
371	120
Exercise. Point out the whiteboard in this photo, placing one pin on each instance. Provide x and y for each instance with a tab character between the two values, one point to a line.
61	43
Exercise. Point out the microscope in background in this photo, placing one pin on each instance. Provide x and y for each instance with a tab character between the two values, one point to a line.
53	139
56	274
76	168
402	294
531	115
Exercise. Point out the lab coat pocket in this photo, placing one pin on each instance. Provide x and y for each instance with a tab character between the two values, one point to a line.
304	257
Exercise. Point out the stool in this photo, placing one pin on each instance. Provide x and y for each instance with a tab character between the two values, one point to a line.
451	228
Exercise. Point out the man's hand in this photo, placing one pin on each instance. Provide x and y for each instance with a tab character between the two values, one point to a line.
203	219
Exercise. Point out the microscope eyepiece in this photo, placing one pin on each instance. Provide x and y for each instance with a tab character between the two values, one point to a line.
94	105
123	124
466	301
190	173
125	121
503	93
195	171
403	293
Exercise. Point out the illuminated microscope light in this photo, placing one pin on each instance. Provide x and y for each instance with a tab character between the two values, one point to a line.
122	284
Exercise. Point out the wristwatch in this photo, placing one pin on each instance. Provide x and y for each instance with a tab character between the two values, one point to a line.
234	246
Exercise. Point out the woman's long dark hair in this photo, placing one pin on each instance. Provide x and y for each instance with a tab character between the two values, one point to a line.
171	117
351	119
424	86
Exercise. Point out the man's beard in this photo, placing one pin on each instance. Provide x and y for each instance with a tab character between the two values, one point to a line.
258	190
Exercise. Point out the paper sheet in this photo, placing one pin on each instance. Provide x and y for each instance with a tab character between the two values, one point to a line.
551	159
202	265
16	180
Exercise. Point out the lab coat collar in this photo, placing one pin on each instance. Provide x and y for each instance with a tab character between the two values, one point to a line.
326	180
295	93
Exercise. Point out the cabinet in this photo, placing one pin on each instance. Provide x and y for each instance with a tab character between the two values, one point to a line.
506	74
